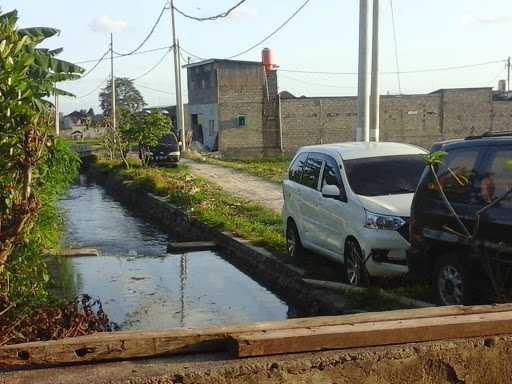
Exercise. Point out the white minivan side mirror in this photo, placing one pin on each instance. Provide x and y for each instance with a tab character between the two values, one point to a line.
331	191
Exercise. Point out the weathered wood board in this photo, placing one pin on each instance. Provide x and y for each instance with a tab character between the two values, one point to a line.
135	344
78	252
371	334
190	246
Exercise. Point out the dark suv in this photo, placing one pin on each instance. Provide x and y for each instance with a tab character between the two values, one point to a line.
471	259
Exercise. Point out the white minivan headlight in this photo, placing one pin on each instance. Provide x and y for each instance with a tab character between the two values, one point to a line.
378	221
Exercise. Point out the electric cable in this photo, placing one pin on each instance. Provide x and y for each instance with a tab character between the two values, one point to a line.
317	84
425	70
160	61
211	18
95	65
164	8
272	33
396	47
91	92
153	89
120	56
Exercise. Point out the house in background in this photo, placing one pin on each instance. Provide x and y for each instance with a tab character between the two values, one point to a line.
76	125
232	106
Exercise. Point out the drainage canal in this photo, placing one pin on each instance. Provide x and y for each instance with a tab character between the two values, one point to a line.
143	287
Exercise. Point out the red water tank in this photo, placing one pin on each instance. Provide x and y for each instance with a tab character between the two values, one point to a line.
266	59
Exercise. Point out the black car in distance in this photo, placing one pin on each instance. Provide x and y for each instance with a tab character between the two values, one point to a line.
167	152
466	254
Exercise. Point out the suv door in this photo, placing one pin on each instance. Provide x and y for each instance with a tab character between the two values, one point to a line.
457	175
333	211
495	181
310	197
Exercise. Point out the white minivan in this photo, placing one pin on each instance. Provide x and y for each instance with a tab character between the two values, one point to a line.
351	202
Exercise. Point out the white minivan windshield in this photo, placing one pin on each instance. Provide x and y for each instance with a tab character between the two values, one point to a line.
385	175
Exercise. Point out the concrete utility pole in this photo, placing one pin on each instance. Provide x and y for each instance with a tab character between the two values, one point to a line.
181	105
375	96
113	82
363	93
177	79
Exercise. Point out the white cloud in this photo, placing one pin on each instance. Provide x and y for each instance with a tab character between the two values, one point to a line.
243	13
469	19
107	24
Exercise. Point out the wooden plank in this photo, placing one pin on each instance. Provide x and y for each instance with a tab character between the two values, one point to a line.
371	334
132	344
190	246
78	252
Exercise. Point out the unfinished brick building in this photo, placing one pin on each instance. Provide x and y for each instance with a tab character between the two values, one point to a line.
235	107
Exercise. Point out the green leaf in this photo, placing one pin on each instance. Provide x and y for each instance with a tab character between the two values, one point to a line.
9	17
38	33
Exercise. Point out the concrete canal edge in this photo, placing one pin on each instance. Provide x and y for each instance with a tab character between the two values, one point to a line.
285	280
475	360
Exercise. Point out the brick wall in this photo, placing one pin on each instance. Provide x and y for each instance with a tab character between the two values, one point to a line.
415	119
466	112
241	92
502	116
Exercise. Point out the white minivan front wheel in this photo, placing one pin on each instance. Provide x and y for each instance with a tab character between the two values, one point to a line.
355	270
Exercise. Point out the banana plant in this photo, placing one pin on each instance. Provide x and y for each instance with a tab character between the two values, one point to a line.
28	77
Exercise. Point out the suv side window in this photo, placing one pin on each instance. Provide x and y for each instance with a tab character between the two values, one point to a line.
496	178
312	171
332	176
456	175
295	173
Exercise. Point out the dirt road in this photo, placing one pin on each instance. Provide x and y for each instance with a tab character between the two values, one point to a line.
248	187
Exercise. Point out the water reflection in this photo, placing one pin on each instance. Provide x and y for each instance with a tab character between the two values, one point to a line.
140	285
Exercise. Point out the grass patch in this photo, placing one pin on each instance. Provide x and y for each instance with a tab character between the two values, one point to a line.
206	202
271	169
370	300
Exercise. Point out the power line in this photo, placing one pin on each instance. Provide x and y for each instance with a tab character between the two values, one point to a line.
164	8
153	67
496	77
154	89
396	47
425	70
211	18
95	65
318	84
191	54
91	92
120	56
271	34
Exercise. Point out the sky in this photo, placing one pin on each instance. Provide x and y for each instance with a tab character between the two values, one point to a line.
323	37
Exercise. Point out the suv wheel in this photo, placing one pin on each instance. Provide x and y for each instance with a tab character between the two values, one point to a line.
355	270
293	243
450	281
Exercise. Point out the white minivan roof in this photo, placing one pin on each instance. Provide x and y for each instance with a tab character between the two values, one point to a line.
359	150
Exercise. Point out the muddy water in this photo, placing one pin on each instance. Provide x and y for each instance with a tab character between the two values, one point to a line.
143	287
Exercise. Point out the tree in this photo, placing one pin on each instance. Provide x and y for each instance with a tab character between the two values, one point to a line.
144	130
28	151
128	98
